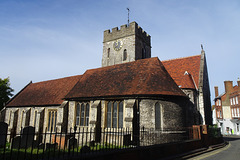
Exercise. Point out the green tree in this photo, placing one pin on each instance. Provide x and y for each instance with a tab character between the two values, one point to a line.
5	91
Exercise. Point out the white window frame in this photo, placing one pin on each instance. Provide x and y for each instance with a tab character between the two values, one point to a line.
238	112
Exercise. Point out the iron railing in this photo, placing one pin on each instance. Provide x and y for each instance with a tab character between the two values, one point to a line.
82	141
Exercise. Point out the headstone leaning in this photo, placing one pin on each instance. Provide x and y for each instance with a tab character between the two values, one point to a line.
3	133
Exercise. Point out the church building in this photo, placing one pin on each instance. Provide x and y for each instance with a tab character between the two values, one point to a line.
130	90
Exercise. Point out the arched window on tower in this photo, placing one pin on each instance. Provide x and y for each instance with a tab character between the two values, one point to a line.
108	53
125	55
144	53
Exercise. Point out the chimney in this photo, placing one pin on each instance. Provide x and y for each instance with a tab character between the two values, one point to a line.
228	86
238	82
216	91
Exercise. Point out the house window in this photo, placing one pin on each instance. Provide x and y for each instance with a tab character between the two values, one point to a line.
236	100
238	112
220	114
157	116
231	101
114	114
82	114
52	120
125	55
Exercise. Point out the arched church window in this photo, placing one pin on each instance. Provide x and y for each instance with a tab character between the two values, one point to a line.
52	120
21	124
35	119
82	114
77	114
114	114
10	115
109	115
157	116
120	115
87	115
27	119
125	55
108	53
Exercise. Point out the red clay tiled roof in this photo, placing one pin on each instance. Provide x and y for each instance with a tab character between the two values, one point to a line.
177	67
141	77
44	93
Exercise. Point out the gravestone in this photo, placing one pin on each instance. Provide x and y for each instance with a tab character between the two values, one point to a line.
51	146
72	142
3	133
27	138
15	142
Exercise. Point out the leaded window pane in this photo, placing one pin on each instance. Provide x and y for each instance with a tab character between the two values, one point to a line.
52	119
78	114
120	115
87	114
35	119
82	115
109	114
55	121
115	114
49	120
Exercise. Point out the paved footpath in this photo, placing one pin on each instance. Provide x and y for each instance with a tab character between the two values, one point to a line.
229	152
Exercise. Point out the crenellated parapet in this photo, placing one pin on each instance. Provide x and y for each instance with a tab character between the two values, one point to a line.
124	31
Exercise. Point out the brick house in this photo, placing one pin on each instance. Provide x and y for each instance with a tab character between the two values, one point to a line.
228	108
130	90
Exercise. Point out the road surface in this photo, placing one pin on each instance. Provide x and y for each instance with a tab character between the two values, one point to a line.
230	152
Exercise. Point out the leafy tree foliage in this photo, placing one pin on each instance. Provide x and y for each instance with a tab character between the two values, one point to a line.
5	91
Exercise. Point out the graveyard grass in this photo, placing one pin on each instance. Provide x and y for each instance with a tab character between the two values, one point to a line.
35	153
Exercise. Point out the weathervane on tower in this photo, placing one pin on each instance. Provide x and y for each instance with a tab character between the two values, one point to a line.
128	16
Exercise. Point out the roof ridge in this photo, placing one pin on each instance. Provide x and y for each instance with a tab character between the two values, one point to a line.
181	58
92	69
56	79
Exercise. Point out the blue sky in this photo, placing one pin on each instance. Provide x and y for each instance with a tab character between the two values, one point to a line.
49	39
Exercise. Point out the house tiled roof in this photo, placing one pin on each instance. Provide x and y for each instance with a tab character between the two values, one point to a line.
178	67
44	93
138	78
236	90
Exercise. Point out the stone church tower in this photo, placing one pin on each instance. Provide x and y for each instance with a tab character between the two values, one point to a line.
128	44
